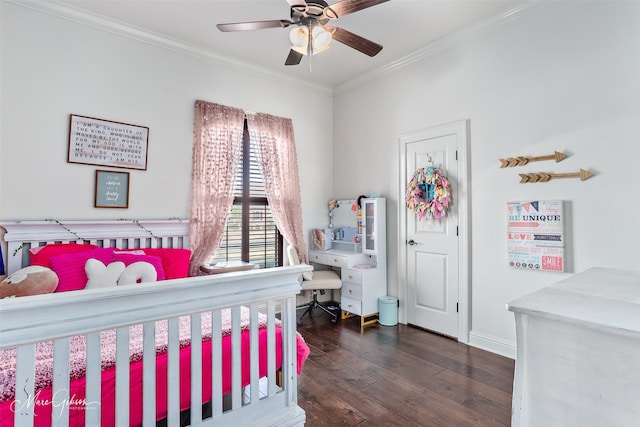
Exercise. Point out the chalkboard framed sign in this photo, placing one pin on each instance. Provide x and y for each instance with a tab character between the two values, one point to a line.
107	143
112	189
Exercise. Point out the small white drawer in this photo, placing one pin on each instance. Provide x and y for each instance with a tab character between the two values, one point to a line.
351	290
349	275
336	260
317	257
351	306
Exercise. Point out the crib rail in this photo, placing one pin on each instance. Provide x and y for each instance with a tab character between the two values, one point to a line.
26	321
20	236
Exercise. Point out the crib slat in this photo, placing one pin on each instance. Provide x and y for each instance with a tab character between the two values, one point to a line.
236	358
13	259
255	354
93	384
60	396
173	372
271	347
289	351
149	374
25	373
216	360
196	369
122	376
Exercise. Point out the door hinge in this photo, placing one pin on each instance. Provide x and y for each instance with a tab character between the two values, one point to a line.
457	231
457	307
456	154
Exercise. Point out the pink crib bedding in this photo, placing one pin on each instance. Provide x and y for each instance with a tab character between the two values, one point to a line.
45	404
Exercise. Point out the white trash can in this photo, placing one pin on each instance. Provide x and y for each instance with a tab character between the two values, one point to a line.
388	311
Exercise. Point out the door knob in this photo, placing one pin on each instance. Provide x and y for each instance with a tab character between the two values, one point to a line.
412	242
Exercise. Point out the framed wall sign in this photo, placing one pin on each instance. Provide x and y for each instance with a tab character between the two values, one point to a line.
535	232
112	189
106	143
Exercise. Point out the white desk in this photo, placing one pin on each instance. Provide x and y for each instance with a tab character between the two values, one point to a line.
578	352
361	287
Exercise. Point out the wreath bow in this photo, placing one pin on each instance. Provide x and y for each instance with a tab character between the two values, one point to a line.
428	193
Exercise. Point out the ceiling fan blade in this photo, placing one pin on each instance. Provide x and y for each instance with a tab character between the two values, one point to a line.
254	25
345	7
294	58
355	41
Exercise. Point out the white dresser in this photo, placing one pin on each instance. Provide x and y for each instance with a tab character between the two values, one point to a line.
578	352
361	288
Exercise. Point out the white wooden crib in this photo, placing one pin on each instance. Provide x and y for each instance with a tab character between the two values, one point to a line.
269	293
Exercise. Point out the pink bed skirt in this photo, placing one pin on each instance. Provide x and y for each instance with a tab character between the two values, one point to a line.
46	407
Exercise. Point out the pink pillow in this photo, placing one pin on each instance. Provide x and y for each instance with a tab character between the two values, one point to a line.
70	267
174	260
42	254
129	258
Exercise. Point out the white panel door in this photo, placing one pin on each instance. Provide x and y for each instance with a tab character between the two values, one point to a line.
432	245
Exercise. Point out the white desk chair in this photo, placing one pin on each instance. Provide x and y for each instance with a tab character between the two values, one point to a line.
316	281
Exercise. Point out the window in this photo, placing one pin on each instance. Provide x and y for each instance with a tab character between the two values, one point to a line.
251	234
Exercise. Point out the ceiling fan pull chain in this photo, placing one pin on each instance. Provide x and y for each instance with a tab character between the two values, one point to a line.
310	47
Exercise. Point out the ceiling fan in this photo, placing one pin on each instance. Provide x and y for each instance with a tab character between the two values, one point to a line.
309	34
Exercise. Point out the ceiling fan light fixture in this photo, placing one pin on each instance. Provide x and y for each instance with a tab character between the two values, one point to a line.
321	38
299	36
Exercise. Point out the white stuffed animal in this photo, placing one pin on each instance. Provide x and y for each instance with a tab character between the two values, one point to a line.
102	276
138	272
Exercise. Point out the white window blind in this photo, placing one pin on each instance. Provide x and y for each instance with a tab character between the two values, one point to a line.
251	234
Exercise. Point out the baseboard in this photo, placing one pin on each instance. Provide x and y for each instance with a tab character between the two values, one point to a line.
492	344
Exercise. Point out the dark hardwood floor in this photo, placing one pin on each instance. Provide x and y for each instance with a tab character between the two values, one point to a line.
399	376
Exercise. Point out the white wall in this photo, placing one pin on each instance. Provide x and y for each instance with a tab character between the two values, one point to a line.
53	67
563	77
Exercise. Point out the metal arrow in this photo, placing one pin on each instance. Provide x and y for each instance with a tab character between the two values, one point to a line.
544	177
522	160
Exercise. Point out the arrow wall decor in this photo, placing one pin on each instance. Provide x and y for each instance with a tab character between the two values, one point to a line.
522	160
544	177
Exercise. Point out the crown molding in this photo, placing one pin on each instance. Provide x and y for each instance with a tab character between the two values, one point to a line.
78	16
443	44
